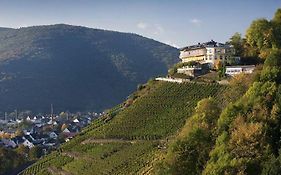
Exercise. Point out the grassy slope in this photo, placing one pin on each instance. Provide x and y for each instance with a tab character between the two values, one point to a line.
126	140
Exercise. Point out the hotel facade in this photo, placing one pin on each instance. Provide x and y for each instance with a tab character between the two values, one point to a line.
208	53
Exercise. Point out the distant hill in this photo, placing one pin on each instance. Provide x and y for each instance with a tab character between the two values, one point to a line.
75	68
2	29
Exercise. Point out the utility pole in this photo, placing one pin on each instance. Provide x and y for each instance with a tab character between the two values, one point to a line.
5	116
52	110
16	111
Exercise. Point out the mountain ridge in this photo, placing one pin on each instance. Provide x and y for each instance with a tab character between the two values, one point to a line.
106	65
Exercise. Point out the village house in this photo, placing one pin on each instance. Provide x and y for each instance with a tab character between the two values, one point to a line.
76	120
28	144
66	130
43	130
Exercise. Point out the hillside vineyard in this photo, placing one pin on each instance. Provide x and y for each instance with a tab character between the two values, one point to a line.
126	140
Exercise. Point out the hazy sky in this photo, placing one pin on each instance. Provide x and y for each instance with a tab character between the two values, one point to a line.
176	22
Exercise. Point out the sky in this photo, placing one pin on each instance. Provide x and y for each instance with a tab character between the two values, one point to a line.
174	22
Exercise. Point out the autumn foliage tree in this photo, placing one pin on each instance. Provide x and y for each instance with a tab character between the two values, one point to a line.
190	151
249	129
263	35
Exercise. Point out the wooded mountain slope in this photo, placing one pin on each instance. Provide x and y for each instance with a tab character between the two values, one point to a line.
75	68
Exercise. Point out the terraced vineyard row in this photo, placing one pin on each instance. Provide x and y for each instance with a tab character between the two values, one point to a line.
159	113
55	159
111	158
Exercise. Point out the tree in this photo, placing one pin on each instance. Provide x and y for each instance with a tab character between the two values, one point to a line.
63	115
63	127
208	109
218	64
237	41
273	165
260	35
190	151
9	159
35	152
19	132
271	70
239	84
276	22
265	35
22	150
277	16
246	139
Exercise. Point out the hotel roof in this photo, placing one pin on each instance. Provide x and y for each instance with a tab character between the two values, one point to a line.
211	43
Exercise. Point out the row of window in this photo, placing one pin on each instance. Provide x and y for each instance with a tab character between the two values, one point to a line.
233	71
211	57
194	51
209	51
217	51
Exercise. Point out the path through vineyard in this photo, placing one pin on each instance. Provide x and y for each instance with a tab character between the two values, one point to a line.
101	141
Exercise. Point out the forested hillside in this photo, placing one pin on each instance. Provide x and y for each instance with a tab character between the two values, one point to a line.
75	68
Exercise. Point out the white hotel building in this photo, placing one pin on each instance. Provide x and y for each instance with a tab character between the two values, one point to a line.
209	52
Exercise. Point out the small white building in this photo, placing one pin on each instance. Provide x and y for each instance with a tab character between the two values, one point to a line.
172	80
19	120
234	70
28	144
66	130
50	122
27	132
190	71
76	120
